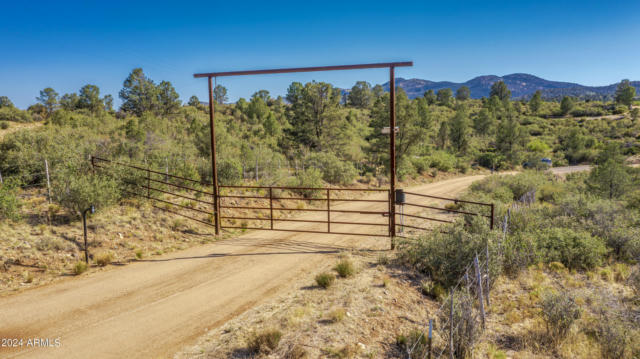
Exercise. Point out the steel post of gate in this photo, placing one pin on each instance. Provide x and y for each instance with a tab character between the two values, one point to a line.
214	171
392	152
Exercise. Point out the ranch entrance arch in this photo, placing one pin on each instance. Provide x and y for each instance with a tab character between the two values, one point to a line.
347	211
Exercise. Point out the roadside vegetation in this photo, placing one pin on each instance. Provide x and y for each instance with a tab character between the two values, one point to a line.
565	264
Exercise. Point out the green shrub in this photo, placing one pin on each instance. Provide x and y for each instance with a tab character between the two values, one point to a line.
310	178
77	191
104	259
333	169
559	311
443	161
325	280
229	172
4	125
14	114
421	164
345	268
264	342
444	256
9	202
574	249
518	252
80	268
613	337
414	337
433	290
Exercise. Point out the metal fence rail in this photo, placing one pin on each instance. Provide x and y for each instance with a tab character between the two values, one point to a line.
267	207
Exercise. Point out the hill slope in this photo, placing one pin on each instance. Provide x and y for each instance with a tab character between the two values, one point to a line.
520	84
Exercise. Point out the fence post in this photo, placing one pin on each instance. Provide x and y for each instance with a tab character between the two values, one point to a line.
148	183
46	169
479	284
271	205
166	169
451	324
488	276
328	211
493	207
430	336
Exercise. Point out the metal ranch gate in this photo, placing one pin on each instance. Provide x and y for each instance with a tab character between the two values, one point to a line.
271	208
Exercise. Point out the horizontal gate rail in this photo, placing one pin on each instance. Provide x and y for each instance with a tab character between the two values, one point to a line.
445	209
145	181
93	159
446	199
256	202
428	218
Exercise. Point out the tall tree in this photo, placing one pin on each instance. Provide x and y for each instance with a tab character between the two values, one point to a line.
510	137
501	90
49	98
430	97
459	131
193	101
377	91
442	138
108	102
89	98
536	102
444	96
566	105
168	99
312	107
69	101
5	102
360	95
625	93
484	122
463	93
220	94
610	178
138	93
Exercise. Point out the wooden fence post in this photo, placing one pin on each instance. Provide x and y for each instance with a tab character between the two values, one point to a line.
46	169
479	285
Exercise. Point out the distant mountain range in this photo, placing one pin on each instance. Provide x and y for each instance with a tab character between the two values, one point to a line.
521	86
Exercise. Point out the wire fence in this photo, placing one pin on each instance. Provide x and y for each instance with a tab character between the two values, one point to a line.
463	313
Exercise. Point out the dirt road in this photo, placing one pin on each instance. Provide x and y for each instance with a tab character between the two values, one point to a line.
152	308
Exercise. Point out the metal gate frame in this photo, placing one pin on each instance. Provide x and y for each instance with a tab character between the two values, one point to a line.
148	181
392	122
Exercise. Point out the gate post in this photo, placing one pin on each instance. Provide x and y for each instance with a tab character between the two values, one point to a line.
492	215
216	204
392	153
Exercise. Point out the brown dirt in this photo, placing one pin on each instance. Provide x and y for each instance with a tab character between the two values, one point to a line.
153	307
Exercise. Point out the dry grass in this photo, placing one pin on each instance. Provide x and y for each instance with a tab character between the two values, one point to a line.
47	243
357	318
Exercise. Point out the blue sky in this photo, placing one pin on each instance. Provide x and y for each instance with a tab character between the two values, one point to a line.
66	45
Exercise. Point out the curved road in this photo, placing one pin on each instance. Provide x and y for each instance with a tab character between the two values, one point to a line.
153	307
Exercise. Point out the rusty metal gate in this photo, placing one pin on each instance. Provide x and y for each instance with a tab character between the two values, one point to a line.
346	211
